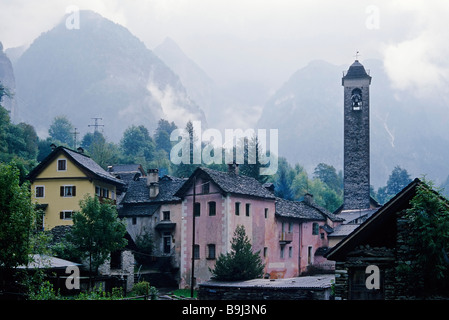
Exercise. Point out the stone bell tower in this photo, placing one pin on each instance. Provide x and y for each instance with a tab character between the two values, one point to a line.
356	167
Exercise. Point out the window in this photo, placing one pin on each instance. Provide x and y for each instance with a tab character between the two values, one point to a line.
211	251
266	213
196	252
166	243
116	260
247	207
309	255
97	191
290	227
67	191
290	252
65	215
104	193
212	208
322	235
237	208
315	228
134	220
205	187
166	215
62	165
265	251
197	209
356	98
282	252
40	191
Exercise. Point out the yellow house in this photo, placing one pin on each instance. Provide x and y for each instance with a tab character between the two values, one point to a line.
63	178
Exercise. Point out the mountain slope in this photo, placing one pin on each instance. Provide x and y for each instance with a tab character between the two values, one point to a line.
98	70
8	80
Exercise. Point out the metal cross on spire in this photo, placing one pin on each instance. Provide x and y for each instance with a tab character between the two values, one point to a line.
357	54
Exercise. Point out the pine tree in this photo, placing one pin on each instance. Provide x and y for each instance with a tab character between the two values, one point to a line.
241	263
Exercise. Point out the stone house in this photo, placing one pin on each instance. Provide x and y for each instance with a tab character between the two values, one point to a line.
380	242
150	207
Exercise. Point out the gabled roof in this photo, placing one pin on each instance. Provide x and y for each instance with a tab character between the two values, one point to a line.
380	224
303	210
138	192
86	164
228	183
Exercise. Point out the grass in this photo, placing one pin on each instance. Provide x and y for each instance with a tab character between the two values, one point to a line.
185	293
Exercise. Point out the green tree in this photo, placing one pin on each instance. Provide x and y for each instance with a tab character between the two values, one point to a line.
97	231
241	263
186	169
136	144
61	130
284	180
252	150
398	180
162	135
428	237
329	176
102	152
16	218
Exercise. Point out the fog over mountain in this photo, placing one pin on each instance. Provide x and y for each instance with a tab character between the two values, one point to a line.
405	129
102	70
98	70
229	107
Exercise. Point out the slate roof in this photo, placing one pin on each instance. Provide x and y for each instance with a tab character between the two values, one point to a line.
229	183
356	71
138	192
308	282
84	163
303	210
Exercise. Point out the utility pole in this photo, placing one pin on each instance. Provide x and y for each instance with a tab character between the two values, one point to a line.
75	133
96	125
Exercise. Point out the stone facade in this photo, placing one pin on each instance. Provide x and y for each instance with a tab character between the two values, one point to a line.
356	138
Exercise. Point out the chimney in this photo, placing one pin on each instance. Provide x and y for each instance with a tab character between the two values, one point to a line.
308	198
80	150
153	182
53	147
233	168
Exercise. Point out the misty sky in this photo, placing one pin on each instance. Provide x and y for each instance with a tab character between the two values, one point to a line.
265	42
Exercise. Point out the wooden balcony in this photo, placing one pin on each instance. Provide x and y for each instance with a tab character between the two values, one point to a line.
285	237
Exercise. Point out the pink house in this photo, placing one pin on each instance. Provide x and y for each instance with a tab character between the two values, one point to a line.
223	200
299	238
290	235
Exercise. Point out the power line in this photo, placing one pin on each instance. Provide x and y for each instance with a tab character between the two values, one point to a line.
96	125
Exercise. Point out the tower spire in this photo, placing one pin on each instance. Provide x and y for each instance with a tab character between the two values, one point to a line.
356	176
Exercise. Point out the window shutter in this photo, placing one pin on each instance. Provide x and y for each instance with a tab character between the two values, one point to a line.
74	191
61	215
61	191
